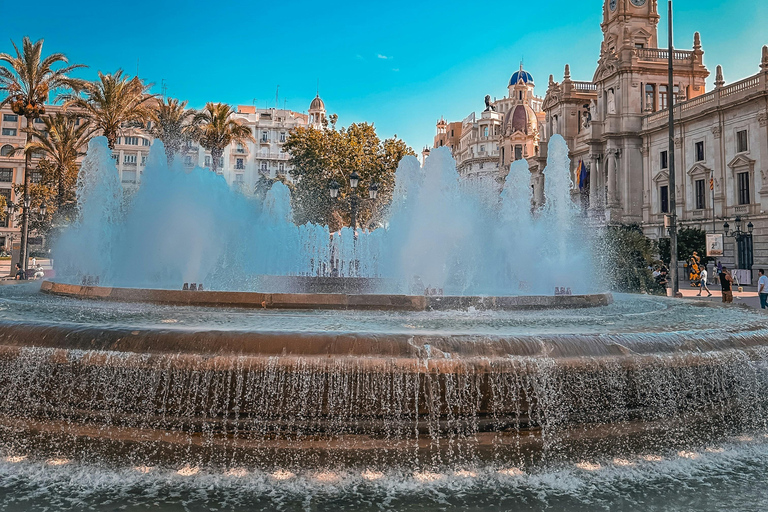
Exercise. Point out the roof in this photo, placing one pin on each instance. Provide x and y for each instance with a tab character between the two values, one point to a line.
317	104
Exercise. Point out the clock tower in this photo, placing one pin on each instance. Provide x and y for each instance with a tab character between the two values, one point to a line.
637	17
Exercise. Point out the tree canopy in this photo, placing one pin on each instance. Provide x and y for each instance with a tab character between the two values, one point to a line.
320	156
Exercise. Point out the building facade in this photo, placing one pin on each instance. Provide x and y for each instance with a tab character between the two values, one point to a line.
617	125
509	129
241	165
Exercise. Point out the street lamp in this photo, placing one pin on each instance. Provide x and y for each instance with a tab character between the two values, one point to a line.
43	210
333	188
739	236
354	181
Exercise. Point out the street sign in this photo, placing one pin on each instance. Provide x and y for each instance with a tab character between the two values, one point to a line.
715	245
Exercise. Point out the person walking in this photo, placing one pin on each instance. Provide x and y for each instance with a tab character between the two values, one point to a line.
725	283
20	274
703	277
762	289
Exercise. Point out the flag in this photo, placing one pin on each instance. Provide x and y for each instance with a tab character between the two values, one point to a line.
711	184
582	175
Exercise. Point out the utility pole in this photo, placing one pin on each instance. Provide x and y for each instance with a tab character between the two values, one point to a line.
672	190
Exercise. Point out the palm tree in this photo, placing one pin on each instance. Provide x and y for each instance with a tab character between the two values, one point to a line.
29	80
217	130
173	124
112	101
61	143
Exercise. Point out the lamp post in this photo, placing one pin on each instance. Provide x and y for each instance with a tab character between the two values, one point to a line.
739	235
354	181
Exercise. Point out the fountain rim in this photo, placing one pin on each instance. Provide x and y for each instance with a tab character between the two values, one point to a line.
334	301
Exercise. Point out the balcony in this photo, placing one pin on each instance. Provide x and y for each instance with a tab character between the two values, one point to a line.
662	55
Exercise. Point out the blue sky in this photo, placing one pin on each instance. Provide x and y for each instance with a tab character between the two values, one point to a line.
398	64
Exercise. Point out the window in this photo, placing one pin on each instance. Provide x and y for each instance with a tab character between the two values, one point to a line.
240	164
129	159
482	149
264	136
700	188
131	141
10	117
239	178
741	141
143	161
115	157
743	182
145	142
188	160
207	161
663	97
281	167
663	160
664	199
639	45
518	152
263	166
700	151
282	136
6	150
38	120
485	131
36	177
11	132
6	174
240	149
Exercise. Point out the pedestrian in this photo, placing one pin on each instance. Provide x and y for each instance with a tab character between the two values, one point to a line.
703	277
20	274
762	289
725	283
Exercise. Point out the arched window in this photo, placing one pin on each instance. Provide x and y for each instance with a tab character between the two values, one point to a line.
6	150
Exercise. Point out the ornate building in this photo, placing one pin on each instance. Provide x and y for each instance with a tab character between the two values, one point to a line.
617	125
509	129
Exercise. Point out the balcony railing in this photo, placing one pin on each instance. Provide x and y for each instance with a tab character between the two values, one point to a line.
584	86
657	54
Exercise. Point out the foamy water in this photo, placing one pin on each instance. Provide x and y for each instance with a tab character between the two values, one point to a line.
729	476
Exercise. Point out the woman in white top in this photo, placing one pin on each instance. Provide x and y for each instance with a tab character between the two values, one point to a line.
703	277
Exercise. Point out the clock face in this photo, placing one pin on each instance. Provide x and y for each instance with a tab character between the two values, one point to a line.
613	5
638	3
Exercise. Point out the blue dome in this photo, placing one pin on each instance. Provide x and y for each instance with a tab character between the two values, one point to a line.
517	75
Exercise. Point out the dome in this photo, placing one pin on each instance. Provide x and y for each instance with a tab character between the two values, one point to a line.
525	76
521	118
317	104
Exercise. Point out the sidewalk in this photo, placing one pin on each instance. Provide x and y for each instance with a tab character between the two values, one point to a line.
748	296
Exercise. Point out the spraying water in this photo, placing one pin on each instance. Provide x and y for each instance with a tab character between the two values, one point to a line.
442	232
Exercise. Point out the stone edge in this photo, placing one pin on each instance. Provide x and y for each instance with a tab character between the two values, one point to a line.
323	300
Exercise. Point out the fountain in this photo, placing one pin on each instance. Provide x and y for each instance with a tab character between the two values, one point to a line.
409	402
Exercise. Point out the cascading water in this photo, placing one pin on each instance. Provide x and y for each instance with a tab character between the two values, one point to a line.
189	226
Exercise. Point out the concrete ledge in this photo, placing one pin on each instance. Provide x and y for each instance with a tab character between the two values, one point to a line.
322	300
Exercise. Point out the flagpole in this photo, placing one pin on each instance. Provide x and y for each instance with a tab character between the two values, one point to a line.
672	191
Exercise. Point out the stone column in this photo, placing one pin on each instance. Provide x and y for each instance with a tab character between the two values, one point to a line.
613	157
594	183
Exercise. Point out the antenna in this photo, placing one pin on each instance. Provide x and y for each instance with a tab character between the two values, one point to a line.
277	93
163	87
318	86
254	102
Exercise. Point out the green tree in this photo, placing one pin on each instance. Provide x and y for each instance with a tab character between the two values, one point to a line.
61	142
112	102
628	256
688	240
43	192
29	80
321	156
215	129
174	124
